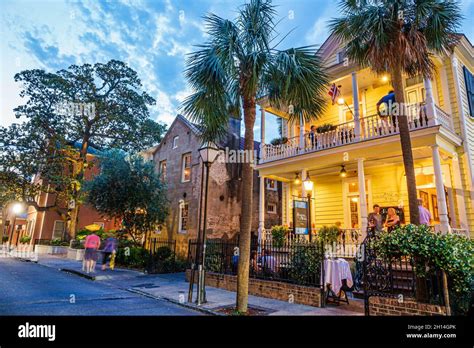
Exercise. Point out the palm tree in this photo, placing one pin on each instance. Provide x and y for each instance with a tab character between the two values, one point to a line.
398	36
237	65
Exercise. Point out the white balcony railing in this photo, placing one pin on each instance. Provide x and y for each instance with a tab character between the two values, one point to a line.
371	127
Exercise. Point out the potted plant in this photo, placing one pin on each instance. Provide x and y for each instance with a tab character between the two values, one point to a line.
325	128
279	141
4	239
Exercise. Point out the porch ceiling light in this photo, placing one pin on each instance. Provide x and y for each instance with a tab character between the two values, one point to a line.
343	172
297	180
308	184
340	101
209	152
384	78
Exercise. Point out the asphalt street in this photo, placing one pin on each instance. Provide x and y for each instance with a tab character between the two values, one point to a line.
27	288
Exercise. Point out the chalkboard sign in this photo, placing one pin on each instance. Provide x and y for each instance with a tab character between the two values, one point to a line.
300	217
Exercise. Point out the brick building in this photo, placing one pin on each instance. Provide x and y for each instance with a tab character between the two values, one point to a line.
177	159
48	223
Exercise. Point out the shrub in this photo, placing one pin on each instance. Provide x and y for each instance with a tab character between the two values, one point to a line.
305	264
5	239
132	257
451	253
328	234
25	239
279	234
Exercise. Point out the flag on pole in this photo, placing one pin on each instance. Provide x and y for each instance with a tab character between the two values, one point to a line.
334	92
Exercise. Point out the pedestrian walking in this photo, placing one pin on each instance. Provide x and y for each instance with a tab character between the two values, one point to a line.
91	246
109	251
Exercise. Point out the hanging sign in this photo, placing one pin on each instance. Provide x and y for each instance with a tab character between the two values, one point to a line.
300	217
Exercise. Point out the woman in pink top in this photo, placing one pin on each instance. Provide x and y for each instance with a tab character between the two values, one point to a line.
91	245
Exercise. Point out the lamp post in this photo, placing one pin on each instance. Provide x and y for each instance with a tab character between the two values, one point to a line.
208	152
17	208
308	187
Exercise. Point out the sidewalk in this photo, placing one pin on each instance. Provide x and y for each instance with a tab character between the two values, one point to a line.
174	288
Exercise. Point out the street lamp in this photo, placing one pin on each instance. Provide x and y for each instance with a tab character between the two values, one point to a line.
208	152
17	208
308	187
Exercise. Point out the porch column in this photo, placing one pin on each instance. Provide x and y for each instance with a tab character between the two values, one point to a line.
303	177
362	197
261	210
459	193
355	102
262	125
430	104
442	207
302	142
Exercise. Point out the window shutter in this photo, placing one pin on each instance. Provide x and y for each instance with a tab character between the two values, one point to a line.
469	81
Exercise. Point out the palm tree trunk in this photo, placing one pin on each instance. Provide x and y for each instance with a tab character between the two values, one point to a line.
405	140
407	153
246	214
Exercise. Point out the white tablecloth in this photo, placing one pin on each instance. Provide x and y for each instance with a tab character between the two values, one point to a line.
335	271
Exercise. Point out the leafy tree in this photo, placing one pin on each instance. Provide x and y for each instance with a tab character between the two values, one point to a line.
129	189
66	114
398	36
240	62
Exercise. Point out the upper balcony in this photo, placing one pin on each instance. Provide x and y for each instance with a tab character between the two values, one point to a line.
362	130
353	119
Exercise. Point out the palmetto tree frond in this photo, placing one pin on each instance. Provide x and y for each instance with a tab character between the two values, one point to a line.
296	77
375	36
237	63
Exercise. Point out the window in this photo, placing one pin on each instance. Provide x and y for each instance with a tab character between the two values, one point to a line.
163	170
175	142
271	184
271	208
58	230
31	228
469	81
341	57
186	168
183	217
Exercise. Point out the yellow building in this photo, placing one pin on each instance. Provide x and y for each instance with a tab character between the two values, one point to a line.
367	148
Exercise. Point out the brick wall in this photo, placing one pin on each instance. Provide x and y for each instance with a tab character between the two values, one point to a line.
383	306
265	288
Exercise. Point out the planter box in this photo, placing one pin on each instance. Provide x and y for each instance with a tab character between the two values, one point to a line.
75	254
50	249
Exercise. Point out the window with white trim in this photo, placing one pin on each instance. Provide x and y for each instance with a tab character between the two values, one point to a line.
271	208
58	229
271	184
186	168
175	142
183	217
163	170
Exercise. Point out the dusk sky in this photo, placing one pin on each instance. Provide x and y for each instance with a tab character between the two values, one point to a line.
153	37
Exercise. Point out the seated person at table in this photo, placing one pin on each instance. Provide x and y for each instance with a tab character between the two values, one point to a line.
269	263
393	220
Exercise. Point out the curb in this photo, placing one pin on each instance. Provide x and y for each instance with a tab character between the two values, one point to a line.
185	305
80	274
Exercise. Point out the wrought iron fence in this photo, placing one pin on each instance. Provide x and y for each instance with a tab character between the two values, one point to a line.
298	263
395	277
162	256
